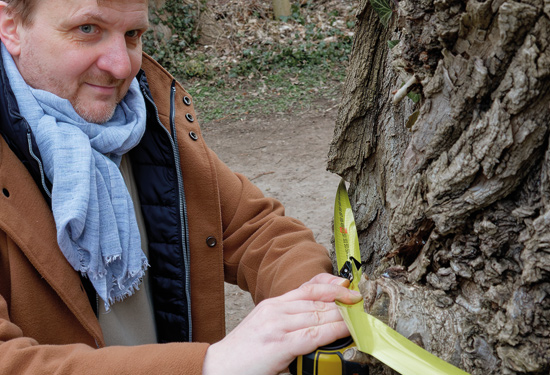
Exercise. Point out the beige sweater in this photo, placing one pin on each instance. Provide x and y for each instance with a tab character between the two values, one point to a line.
131	321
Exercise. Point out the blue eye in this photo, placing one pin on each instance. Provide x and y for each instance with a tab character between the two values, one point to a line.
132	33
87	29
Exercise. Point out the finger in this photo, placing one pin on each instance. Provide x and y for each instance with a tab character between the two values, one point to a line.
322	292
290	316
299	306
311	318
277	314
327	278
307	340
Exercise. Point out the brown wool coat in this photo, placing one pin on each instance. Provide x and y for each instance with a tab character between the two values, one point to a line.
46	323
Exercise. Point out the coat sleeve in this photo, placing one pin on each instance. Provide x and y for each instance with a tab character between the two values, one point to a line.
21	355
265	252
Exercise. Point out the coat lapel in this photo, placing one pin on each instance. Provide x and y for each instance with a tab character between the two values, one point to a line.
26	218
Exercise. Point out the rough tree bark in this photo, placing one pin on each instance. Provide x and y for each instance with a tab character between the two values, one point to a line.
454	212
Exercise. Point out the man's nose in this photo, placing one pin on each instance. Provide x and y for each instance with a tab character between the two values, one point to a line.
115	58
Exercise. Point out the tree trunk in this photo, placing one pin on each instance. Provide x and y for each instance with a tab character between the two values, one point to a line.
453	210
281	8
204	22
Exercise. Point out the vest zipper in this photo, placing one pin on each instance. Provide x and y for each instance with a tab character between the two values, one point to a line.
183	207
182	204
37	159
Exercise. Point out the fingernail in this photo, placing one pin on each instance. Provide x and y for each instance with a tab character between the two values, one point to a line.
343	282
356	293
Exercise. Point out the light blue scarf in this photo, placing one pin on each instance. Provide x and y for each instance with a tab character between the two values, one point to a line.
94	215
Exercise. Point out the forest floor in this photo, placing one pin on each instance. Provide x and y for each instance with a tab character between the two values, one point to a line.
266	94
285	156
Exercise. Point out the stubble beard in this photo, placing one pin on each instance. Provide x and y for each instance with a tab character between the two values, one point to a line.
99	115
94	112
37	78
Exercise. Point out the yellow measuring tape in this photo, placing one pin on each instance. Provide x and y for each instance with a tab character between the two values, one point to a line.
371	335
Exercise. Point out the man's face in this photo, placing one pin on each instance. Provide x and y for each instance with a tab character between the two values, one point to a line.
84	52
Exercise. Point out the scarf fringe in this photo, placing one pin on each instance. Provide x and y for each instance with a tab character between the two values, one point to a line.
128	291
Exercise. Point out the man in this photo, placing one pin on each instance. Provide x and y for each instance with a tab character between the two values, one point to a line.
100	148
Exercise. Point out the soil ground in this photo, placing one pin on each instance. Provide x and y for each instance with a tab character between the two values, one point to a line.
285	156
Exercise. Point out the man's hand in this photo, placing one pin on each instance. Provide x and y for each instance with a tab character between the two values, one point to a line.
279	329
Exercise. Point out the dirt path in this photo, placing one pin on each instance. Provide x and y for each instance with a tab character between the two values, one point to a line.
285	156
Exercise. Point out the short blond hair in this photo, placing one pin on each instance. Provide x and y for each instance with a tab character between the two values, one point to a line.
22	8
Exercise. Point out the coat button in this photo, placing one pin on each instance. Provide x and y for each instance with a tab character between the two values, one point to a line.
189	117
211	241
193	136
187	100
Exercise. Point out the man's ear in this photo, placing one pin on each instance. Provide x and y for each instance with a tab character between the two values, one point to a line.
9	30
